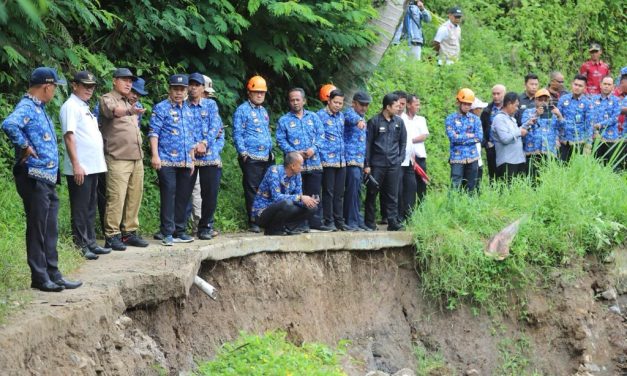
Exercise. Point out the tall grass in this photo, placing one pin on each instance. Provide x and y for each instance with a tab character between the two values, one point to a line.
572	210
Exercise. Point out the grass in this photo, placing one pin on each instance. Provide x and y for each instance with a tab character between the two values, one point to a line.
572	210
272	354
431	364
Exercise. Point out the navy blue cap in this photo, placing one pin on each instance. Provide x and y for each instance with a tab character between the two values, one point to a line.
362	97
45	75
123	72
455	11
178	80
84	77
197	77
138	86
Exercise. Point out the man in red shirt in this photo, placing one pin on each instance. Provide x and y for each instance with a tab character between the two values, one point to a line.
594	70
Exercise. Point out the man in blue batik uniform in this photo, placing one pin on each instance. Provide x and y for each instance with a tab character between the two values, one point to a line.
253	142
172	143
355	152
576	130
301	131
209	143
280	205
604	119
463	129
36	173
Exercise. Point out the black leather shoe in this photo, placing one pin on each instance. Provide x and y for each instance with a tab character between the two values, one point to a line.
115	243
134	240
275	232
48	286
88	254
254	228
158	236
327	228
367	227
204	234
98	250
343	227
68	284
395	226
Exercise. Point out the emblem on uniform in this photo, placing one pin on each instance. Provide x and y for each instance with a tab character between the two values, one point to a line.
274	169
292	124
566	103
47	136
598	101
296	142
26	119
255	120
329	122
37	110
581	105
457	121
262	148
331	138
331	155
175	132
50	164
309	122
174	153
253	114
258	129
204	113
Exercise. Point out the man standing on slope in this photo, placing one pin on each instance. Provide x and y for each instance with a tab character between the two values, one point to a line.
447	40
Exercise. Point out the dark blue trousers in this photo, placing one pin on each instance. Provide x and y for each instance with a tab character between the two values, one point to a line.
83	203
41	205
312	185
283	213
352	200
209	187
333	182
175	188
464	175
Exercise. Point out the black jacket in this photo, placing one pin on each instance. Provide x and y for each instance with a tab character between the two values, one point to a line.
385	142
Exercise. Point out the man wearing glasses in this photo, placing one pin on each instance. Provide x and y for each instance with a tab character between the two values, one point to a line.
556	86
447	40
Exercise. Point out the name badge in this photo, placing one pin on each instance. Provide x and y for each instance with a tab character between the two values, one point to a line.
382	129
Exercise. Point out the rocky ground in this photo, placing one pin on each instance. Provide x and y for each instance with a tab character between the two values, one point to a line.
138	313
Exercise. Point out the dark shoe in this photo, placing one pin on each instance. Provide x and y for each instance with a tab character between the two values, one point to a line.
115	243
275	232
371	227
134	240
326	228
296	231
383	221
182	238
98	250
254	228
395	226
48	286
158	236
344	227
205	234
68	284
88	254
167	241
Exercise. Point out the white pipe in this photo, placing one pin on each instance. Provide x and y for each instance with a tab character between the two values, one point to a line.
206	287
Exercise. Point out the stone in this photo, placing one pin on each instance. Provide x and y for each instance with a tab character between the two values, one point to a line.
609	294
377	373
591	367
405	372
615	309
472	372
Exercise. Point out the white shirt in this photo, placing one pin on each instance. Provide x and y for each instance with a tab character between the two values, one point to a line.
76	117
449	36
415	127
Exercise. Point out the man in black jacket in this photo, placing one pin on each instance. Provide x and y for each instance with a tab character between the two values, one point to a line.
488	114
385	149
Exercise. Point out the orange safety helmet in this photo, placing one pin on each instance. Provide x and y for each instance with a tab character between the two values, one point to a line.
325	92
466	95
257	83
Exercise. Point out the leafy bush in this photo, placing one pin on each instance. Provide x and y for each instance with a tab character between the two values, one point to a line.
573	210
272	354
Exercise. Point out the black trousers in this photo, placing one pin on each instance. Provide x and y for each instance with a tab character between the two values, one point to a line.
83	203
333	186
102	199
408	186
175	188
312	185
284	213
490	155
253	172
508	171
566	150
387	177
352	201
41	206
209	186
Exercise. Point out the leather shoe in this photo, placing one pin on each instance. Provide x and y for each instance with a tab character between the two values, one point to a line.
254	228
88	254
98	250
204	234
47	286
68	284
343	227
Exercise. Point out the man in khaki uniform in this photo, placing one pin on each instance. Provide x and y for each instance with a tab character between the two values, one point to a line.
125	169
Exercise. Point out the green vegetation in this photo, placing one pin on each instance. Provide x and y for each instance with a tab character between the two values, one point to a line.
431	363
272	354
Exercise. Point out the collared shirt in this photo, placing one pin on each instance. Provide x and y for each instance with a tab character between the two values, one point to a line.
604	112
542	135
294	134
507	140
385	141
121	135
463	131
449	36
354	139
207	126
576	127
251	132
414	17
173	125
30	125
525	102
77	118
276	186
416	126
332	147
594	72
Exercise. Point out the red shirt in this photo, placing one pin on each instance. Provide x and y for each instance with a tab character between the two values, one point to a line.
594	72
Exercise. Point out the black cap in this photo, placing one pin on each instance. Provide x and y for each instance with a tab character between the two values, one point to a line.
123	72
179	80
455	11
84	77
362	97
197	77
45	75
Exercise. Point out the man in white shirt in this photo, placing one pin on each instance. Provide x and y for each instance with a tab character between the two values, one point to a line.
83	161
415	152
447	40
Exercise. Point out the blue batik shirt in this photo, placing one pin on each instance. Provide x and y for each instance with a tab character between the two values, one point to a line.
173	125
542	135
463	147
576	127
30	125
294	134
207	130
354	139
251	132
332	147
276	186
604	112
